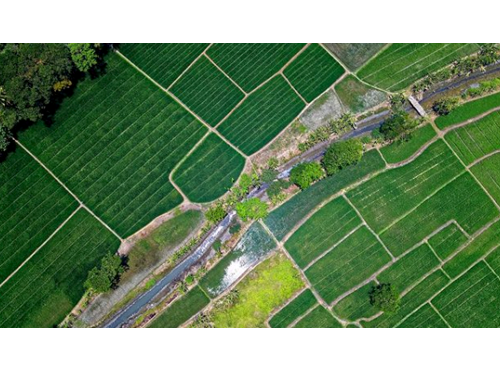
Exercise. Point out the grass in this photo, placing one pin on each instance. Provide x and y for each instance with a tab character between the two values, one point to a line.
354	55
251	64
412	300
425	317
400	65
163	62
253	246
447	241
207	91
390	195
262	116
268	286
50	284
476	140
281	220
488	175
209	171
461	200
356	305
32	206
114	143
357	96
472	300
319	317
468	111
348	264
313	71
293	310
410	268
486	241
182	309
322	231
402	150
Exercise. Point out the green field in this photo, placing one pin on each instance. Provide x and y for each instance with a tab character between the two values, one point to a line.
390	195
354	55
357	96
182	309
494	260
32	206
487	173
293	310
253	246
472	300
281	220
400	65
209	171
322	231
348	264
114	143
262	116
319	317
447	241
207	91
252	64
313	71
163	62
356	305
476	140
425	317
50	284
468	111
400	151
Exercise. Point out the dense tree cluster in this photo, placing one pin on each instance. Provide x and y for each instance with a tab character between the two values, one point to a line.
385	298
102	279
252	209
342	154
306	173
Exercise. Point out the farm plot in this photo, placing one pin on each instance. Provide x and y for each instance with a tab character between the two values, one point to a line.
400	65
252	64
354	55
182	309
50	284
472	300
356	305
390	195
114	143
322	231
313	71
252	247
357	96
425	317
462	200
487	172
293	310
262	116
400	151
468	111
476	140
319	317
447	241
282	220
348	264
162	62
209	171
206	91
494	260
32	206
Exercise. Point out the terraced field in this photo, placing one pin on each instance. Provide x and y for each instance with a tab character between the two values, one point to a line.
400	65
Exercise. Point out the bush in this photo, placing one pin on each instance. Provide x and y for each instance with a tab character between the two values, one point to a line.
445	106
305	174
217	246
252	209
189	279
215	214
385	298
342	154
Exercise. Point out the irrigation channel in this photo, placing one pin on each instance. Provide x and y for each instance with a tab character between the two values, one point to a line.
150	298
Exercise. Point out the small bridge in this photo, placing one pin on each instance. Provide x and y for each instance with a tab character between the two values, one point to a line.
417	106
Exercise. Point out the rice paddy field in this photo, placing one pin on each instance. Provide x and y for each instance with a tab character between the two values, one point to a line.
354	55
402	150
400	65
297	307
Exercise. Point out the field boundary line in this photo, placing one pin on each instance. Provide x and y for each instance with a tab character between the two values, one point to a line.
370	228
68	190
188	67
171	95
472	120
332	54
295	90
303	315
386	46
489	266
279	308
223	72
439	314
389	93
42	245
495	152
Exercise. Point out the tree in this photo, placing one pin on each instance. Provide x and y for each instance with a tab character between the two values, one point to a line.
252	209
215	214
268	175
305	174
445	106
102	279
385	298
84	56
398	127
342	154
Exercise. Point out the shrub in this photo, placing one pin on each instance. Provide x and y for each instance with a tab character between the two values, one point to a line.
385	298
217	246
342	154
215	214
305	174
252	209
273	163
189	279
445	106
